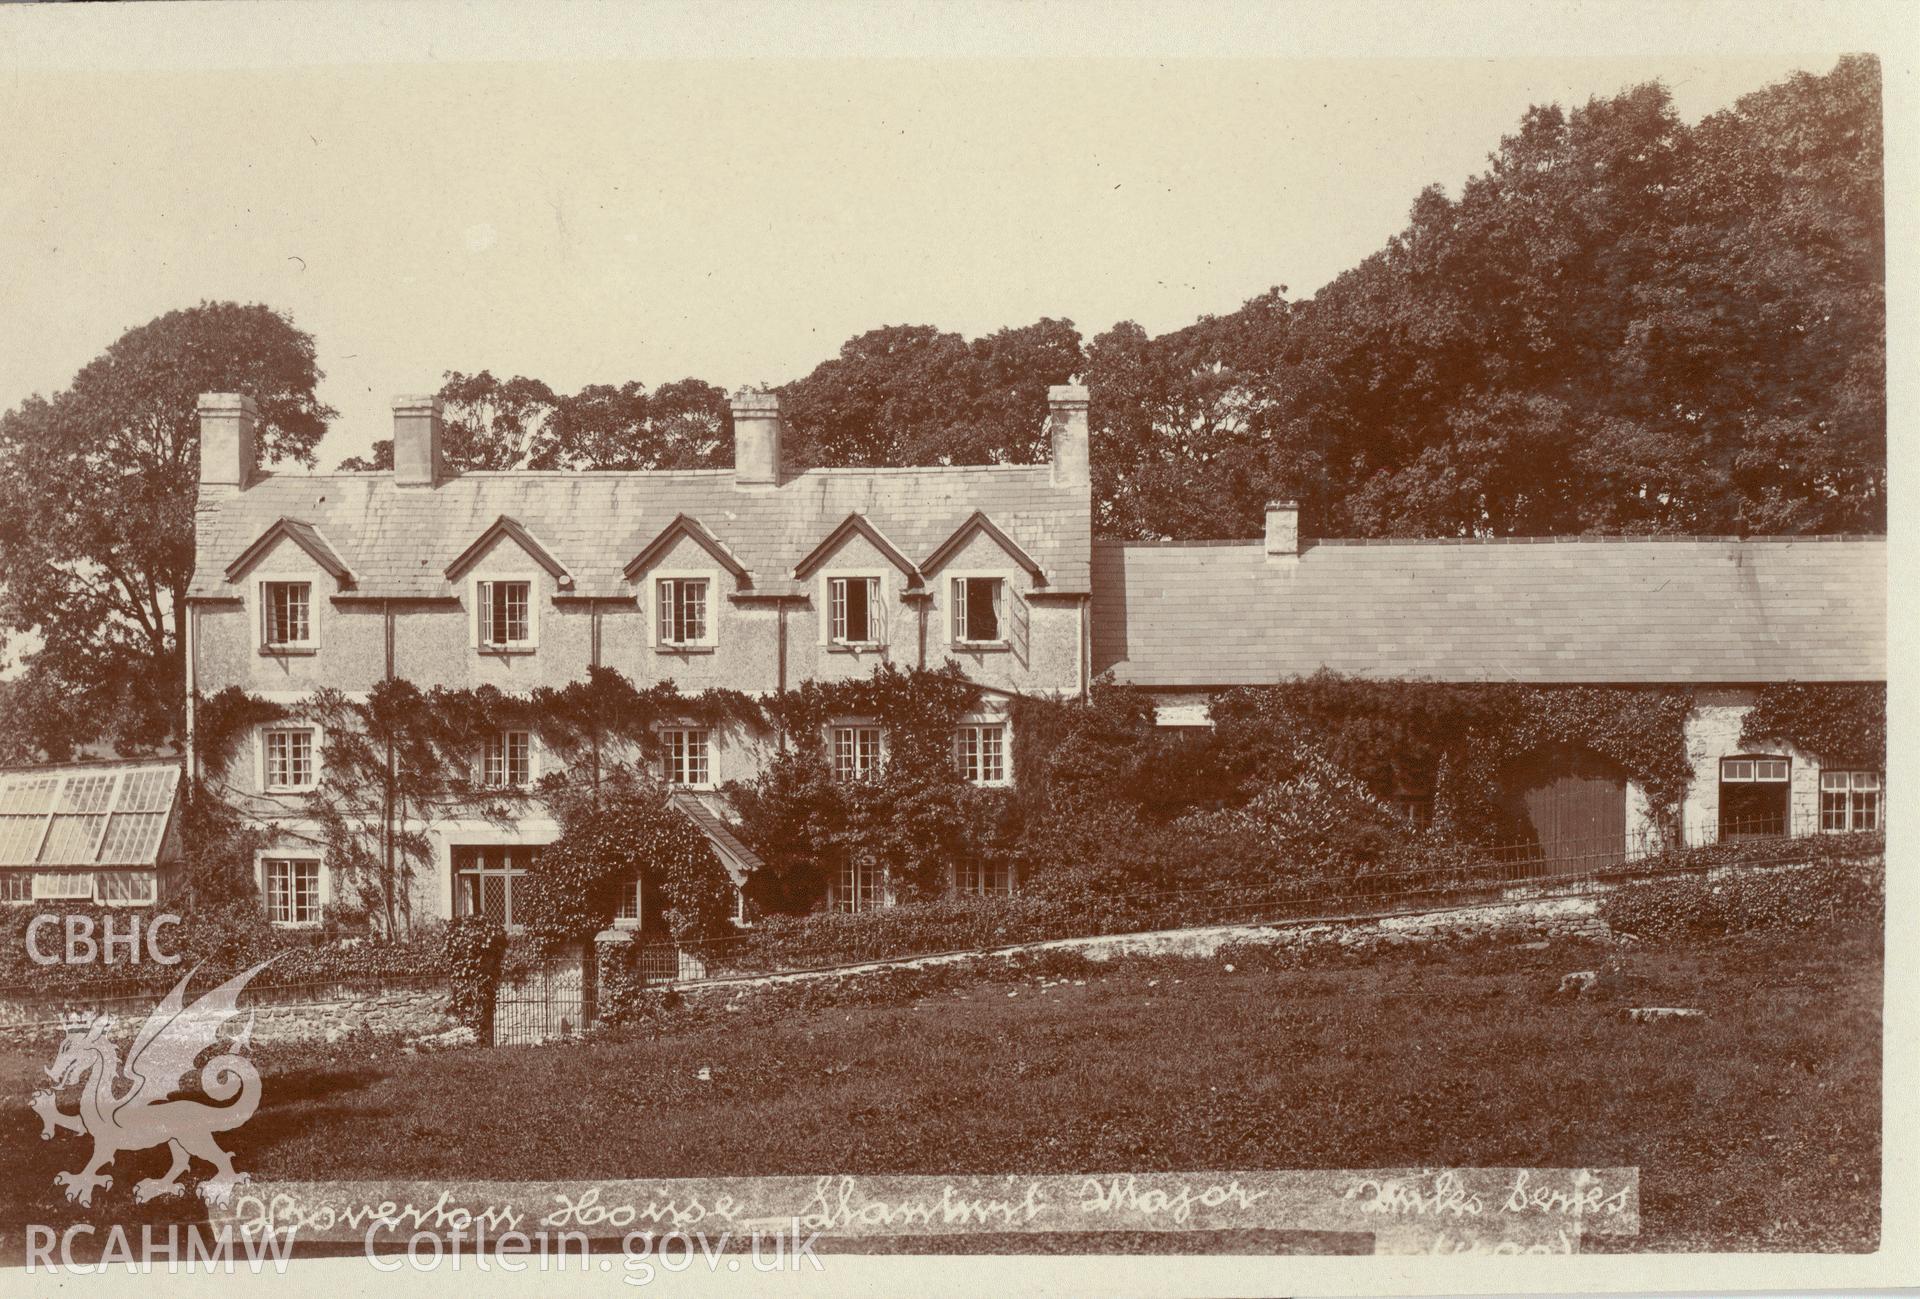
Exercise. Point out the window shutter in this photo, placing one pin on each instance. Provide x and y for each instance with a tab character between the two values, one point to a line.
876	612
483	626
1019	631
663	596
957	608
266	613
837	597
1001	590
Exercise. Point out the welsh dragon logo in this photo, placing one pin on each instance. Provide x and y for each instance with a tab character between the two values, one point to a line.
145	1114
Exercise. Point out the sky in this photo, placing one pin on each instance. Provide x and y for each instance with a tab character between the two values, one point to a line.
733	220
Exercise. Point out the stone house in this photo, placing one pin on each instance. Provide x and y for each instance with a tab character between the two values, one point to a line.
1720	616
755	578
759	578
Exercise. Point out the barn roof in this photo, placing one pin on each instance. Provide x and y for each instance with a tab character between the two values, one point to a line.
1597	610
399	541
87	814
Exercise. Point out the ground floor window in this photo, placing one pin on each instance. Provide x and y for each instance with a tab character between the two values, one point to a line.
862	885
16	886
632	909
128	888
1849	800
293	890
63	886
1753	796
484	876
984	878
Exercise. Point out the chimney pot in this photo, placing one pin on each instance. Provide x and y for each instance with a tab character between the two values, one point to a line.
417	458
1283	530
1067	418
757	425
228	456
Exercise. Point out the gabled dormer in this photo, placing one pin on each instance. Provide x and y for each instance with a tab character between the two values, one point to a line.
685	564
855	589
504	597
277	579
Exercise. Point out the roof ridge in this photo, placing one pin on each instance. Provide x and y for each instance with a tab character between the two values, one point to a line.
1608	539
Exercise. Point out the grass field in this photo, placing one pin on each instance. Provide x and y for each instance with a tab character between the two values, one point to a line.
1754	1129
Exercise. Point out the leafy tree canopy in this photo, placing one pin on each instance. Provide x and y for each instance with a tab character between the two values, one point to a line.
96	543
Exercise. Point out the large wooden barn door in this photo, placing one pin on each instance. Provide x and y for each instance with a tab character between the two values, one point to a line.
1576	805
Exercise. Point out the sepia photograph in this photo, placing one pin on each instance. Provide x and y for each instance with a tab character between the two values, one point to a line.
770	650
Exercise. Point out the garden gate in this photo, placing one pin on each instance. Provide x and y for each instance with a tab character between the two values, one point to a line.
554	999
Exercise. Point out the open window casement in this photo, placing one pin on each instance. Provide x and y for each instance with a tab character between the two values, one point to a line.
856	610
1019	626
287	615
506	613
683	611
977	608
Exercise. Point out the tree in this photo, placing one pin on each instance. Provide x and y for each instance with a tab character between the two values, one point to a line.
912	395
97	543
521	423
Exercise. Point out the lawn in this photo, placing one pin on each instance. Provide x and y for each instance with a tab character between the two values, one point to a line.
1756	1128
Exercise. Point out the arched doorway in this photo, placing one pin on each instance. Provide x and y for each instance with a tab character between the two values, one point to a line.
1570	807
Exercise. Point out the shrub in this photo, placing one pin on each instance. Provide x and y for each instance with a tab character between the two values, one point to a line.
475	946
1789	897
624	831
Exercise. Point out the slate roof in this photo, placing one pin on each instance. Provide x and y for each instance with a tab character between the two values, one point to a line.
1613	610
398	541
739	860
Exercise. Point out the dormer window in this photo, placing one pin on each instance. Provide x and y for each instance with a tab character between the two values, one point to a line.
974	611
286	612
505	614
854	610
682	619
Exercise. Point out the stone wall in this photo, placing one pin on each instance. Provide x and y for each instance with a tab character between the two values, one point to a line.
315	1015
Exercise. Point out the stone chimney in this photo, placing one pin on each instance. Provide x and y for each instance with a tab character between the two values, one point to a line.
227	452
756	438
1283	530
1067	419
416	442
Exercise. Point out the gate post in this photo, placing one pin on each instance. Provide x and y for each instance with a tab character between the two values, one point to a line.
589	982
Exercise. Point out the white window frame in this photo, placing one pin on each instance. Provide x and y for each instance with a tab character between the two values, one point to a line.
853	900
954	615
857	724
1857	781
980	725
263	612
262	767
323	883
499	740
668	761
710	633
632	897
17	872
478	633
881	601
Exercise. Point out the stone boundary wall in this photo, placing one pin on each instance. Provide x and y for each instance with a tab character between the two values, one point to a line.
334	1014
1573	914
